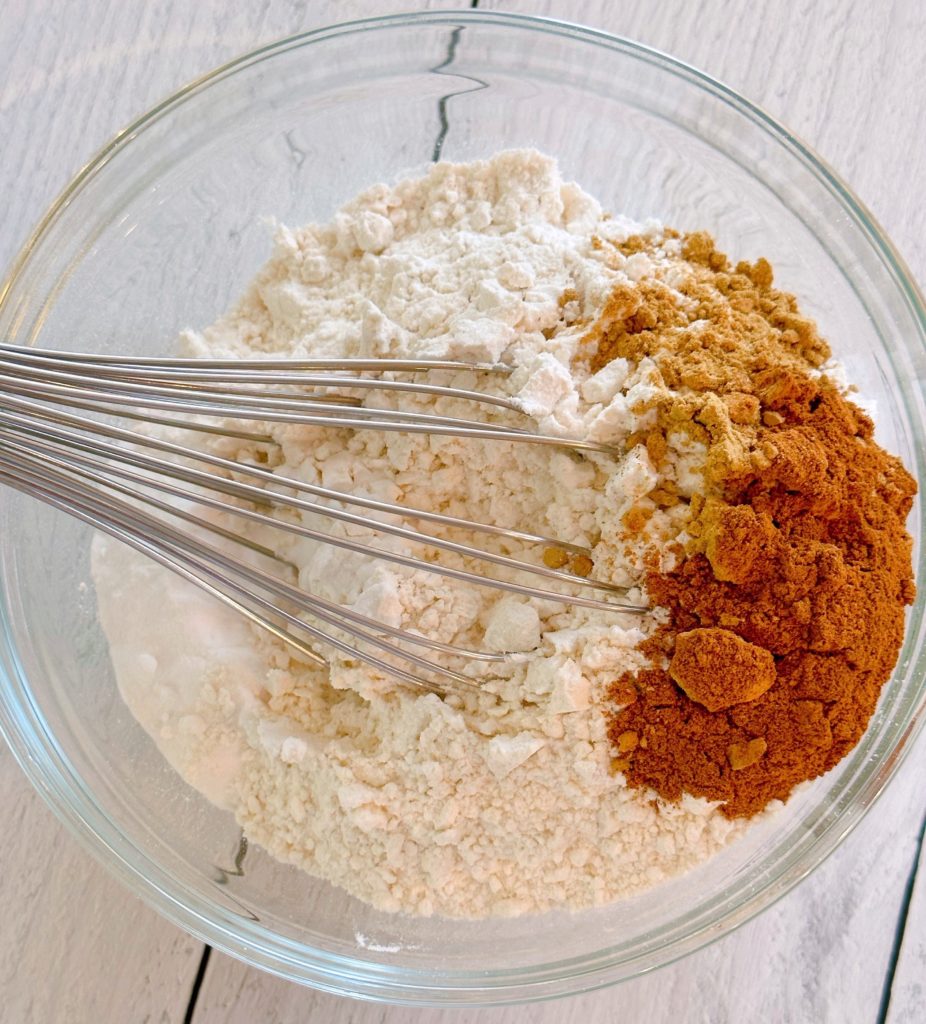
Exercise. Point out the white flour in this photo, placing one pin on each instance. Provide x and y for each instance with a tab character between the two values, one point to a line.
497	804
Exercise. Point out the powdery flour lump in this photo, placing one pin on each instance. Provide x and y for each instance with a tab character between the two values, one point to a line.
507	801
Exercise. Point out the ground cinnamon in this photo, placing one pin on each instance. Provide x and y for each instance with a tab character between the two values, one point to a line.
718	669
786	616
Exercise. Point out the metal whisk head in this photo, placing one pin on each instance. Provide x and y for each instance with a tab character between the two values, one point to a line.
147	491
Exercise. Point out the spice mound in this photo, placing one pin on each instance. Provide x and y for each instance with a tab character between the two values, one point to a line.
786	612
733	491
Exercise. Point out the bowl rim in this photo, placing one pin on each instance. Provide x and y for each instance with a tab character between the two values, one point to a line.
353	976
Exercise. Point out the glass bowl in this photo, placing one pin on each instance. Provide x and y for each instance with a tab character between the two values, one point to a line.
162	230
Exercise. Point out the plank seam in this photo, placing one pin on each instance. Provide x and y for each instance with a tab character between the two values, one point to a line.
197	985
902	917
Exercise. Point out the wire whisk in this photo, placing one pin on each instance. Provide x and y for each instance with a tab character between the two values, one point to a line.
147	490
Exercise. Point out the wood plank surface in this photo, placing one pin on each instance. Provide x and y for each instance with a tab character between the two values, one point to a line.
846	76
907	999
75	947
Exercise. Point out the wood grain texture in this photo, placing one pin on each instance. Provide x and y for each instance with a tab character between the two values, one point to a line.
75	947
908	986
72	75
843	74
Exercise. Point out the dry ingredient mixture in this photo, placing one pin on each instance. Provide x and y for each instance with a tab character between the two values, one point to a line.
748	504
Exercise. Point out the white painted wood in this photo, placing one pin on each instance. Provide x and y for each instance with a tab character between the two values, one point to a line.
75	947
844	74
73	74
908	992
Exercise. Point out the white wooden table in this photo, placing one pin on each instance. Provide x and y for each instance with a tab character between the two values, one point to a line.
849	944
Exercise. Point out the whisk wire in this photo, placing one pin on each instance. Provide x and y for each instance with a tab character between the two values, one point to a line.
140	495
247	491
65	383
125	482
44	424
122	520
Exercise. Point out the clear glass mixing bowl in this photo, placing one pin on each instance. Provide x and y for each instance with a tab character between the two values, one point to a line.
163	229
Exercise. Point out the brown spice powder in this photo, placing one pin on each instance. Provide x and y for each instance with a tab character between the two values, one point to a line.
787	615
730	326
